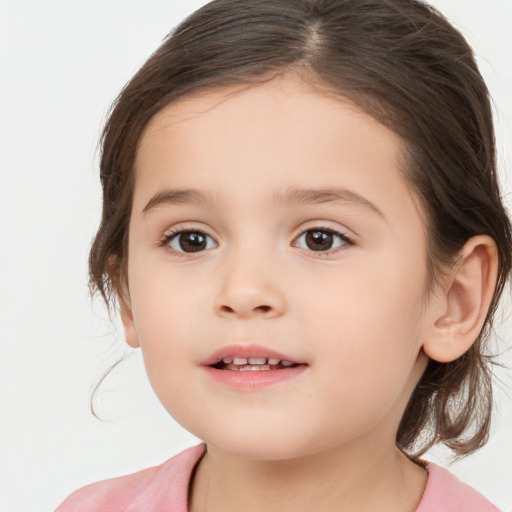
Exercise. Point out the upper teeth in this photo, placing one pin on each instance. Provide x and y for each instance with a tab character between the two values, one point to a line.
255	360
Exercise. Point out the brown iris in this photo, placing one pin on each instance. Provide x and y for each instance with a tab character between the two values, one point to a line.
192	241
319	240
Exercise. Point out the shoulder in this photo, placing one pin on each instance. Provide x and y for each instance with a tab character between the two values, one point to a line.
160	488
445	493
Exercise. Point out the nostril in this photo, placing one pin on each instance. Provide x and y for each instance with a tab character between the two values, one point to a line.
245	310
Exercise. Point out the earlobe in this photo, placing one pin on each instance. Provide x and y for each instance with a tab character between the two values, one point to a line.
120	286
129	327
463	304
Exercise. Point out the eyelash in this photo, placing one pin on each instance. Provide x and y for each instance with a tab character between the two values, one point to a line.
346	240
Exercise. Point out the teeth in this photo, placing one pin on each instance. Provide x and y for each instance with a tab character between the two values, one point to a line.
257	360
254	363
257	367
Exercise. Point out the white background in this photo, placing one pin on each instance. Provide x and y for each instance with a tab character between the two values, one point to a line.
61	65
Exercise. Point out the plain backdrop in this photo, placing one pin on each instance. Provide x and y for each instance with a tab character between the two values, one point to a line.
61	65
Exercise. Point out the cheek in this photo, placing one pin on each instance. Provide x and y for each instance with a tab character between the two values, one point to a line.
162	301
164	315
162	324
368	297
366	326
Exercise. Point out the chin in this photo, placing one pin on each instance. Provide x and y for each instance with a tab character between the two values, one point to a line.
266	444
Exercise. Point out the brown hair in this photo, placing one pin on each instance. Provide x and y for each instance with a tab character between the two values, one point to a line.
407	66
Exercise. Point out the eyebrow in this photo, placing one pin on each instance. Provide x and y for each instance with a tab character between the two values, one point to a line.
172	197
290	197
301	196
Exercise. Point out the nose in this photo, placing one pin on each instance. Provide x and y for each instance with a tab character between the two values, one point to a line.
250	288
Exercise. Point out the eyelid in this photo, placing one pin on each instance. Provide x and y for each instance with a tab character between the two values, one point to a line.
177	236
172	233
333	233
328	227
175	231
324	225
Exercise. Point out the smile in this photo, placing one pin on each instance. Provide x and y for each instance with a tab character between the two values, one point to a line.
243	364
251	367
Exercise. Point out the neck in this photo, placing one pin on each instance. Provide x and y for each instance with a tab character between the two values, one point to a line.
334	480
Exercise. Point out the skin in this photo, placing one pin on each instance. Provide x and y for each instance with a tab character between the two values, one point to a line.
358	314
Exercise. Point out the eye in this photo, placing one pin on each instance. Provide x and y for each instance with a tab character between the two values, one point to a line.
322	240
189	241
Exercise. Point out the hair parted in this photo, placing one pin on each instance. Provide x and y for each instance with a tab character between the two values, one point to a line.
404	64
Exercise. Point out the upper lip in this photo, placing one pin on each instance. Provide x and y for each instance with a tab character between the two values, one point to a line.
246	351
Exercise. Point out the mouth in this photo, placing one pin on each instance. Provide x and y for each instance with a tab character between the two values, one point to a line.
251	367
250	358
244	364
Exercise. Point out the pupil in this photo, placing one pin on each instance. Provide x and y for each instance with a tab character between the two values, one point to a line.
192	241
319	240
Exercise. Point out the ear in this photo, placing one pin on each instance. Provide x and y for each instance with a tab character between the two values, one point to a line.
129	327
120	286
461	306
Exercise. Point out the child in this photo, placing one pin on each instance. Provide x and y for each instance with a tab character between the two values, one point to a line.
303	232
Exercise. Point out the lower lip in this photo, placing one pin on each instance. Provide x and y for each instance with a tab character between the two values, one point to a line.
253	380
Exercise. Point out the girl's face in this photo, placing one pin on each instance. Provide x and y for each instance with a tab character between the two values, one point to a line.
299	241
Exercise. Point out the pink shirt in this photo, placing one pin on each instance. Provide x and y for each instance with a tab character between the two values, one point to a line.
164	489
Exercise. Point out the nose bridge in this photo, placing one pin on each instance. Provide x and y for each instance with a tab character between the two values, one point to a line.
250	284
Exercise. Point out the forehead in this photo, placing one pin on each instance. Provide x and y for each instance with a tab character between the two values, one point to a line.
276	135
259	110
282	97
